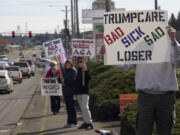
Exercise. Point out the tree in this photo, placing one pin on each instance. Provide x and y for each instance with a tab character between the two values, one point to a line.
3	42
172	21
178	21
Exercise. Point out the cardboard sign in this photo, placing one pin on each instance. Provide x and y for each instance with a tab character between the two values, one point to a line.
136	37
50	87
83	47
53	48
125	99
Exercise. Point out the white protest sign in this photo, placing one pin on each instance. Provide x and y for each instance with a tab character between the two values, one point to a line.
50	87
53	48
83	47
136	37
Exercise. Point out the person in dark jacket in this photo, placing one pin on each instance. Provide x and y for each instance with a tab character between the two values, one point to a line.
55	100
69	76
82	93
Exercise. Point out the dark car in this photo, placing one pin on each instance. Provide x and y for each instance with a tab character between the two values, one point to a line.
43	54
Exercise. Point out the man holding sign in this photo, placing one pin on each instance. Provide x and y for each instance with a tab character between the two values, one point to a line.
141	38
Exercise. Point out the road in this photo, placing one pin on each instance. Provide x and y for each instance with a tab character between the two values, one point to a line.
13	106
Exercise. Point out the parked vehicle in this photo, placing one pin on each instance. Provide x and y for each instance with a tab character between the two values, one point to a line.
25	68
31	64
3	65
15	73
6	82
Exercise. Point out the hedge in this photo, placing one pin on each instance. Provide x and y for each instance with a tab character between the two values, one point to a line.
106	84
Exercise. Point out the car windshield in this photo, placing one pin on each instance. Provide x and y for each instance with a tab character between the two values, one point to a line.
29	61
21	64
12	68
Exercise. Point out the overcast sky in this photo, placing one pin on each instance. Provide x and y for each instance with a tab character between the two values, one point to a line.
40	17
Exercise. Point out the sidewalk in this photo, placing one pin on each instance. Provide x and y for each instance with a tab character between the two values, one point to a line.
38	120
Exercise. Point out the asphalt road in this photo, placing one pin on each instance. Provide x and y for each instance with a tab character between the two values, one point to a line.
13	106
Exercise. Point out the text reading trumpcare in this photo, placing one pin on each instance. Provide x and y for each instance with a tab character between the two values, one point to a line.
128	39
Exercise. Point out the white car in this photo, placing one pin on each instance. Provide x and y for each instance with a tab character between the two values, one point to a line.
15	73
6	82
31	64
3	56
25	68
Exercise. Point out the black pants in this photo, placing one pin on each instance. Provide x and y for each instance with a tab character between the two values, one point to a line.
55	103
155	108
71	111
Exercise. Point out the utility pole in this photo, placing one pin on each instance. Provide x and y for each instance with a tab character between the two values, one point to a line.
108	5
156	4
72	18
66	33
76	18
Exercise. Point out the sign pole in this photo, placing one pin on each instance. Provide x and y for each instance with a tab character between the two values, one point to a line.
61	77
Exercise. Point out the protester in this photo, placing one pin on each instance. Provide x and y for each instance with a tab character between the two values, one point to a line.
69	76
55	100
82	93
156	84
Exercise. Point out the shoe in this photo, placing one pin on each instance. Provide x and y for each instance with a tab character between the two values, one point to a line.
57	111
73	125
54	113
89	126
83	126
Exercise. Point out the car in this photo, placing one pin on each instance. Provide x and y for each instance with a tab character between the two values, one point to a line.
15	73
21	54
9	62
31	64
3	65
6	82
3	56
41	63
25	68
43	54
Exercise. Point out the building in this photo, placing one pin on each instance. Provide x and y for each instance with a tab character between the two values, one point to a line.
98	28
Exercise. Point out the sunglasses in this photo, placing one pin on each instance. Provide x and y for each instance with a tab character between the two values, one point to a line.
52	65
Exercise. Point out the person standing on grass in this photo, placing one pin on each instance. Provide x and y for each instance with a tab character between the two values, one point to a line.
82	93
69	76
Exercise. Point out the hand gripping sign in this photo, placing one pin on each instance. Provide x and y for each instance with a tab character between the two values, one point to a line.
136	37
50	87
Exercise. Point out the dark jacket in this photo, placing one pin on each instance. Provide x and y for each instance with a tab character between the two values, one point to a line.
80	89
69	76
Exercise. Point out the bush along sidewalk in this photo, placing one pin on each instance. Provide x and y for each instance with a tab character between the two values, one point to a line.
106	84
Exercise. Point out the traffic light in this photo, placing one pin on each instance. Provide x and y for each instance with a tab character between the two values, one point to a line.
30	34
13	34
